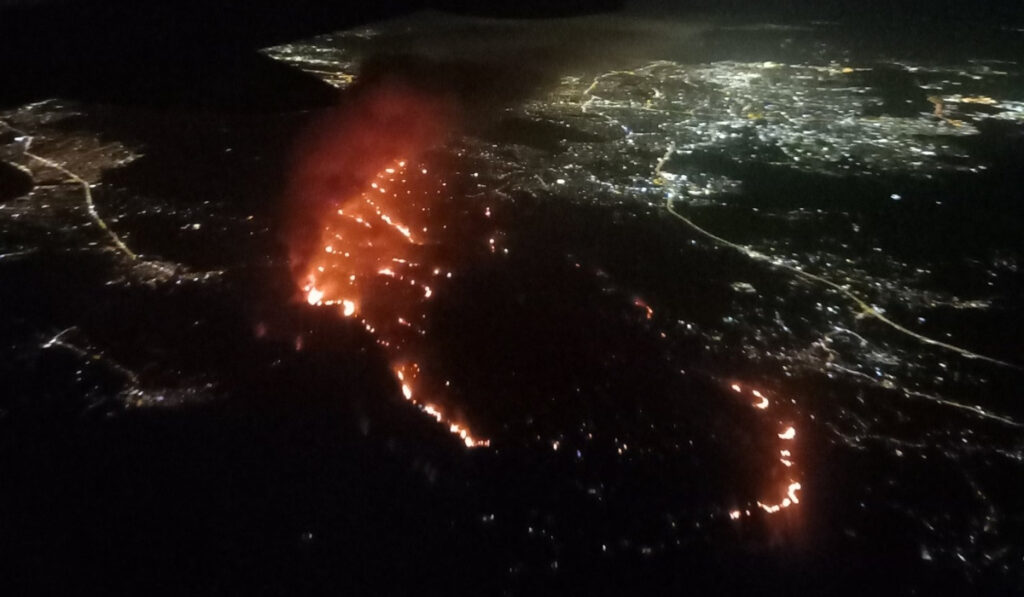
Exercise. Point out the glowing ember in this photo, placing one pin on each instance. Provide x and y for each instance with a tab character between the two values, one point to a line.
648	311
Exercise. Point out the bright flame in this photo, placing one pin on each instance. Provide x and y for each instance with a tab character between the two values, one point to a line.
791	492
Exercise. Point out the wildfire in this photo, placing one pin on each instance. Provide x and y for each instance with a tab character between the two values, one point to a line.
407	374
373	267
359	222
648	311
788	434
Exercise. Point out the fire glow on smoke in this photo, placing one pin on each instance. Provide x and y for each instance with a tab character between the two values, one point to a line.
361	235
365	238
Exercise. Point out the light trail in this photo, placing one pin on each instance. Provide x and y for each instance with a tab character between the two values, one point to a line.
866	310
90	205
90	356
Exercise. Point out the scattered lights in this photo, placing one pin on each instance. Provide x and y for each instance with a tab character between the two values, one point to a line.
789	433
348	308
